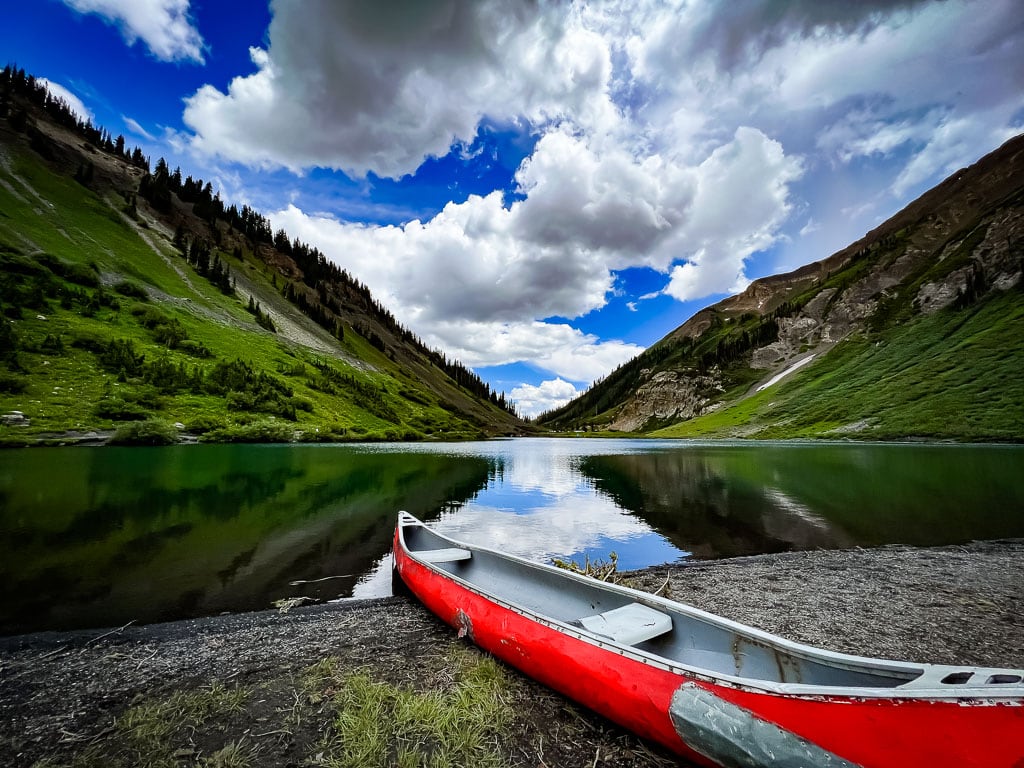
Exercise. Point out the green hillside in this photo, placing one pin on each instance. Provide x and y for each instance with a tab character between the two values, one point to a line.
120	313
956	375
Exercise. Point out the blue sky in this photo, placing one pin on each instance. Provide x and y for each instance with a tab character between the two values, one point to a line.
544	189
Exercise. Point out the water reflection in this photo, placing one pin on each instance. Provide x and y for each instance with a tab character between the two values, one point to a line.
703	504
540	505
101	537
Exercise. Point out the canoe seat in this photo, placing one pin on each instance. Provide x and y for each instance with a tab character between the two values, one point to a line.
631	624
449	555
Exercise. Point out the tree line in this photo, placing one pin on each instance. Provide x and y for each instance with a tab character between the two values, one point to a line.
14	81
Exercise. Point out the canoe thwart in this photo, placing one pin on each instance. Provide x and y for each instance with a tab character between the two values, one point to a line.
631	624
936	676
447	555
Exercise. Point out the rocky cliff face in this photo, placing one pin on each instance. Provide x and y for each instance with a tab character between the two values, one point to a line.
669	396
956	243
995	263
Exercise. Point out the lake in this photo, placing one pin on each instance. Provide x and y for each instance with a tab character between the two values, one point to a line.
101	537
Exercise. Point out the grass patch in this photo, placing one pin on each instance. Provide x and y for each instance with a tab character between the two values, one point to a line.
381	724
150	728
234	755
151	734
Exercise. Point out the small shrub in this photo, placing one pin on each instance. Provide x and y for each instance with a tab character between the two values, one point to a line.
204	423
242	401
147	396
118	409
149	432
168	331
120	356
11	384
414	396
52	344
101	297
51	262
171	334
89	341
82	274
302	404
131	290
23	265
195	349
149	316
247	389
8	341
165	376
256	432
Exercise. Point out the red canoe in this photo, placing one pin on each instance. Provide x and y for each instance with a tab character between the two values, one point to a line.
714	691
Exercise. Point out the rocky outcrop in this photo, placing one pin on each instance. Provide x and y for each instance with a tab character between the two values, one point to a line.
995	262
15	419
669	395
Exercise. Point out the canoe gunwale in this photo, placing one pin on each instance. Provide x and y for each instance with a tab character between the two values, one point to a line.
921	686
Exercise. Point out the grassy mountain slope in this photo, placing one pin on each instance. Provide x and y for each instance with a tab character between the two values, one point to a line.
108	320
914	330
951	375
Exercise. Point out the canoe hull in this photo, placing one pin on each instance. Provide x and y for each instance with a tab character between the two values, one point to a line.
716	724
635	695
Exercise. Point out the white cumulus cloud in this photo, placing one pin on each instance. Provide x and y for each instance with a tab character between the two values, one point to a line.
479	277
467	285
548	395
165	26
741	202
360	87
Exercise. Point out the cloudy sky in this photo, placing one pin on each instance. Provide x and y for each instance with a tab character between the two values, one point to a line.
543	189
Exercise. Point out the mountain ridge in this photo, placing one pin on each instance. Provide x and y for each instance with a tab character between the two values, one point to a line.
949	251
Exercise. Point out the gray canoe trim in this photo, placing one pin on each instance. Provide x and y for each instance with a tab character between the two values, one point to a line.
734	738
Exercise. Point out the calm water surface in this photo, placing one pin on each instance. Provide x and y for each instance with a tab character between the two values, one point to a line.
99	537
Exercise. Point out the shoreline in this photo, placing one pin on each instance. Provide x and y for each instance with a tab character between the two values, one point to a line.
66	692
99	438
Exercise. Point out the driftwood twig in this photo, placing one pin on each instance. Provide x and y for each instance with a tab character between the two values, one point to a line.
111	632
315	581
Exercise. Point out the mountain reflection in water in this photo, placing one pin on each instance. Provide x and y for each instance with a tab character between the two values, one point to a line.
103	537
700	506
100	537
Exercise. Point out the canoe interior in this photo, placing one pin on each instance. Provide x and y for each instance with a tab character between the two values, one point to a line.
694	640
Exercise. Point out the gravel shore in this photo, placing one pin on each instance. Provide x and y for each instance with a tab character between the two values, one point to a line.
63	696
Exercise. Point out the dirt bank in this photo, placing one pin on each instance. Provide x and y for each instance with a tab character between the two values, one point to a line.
71	698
